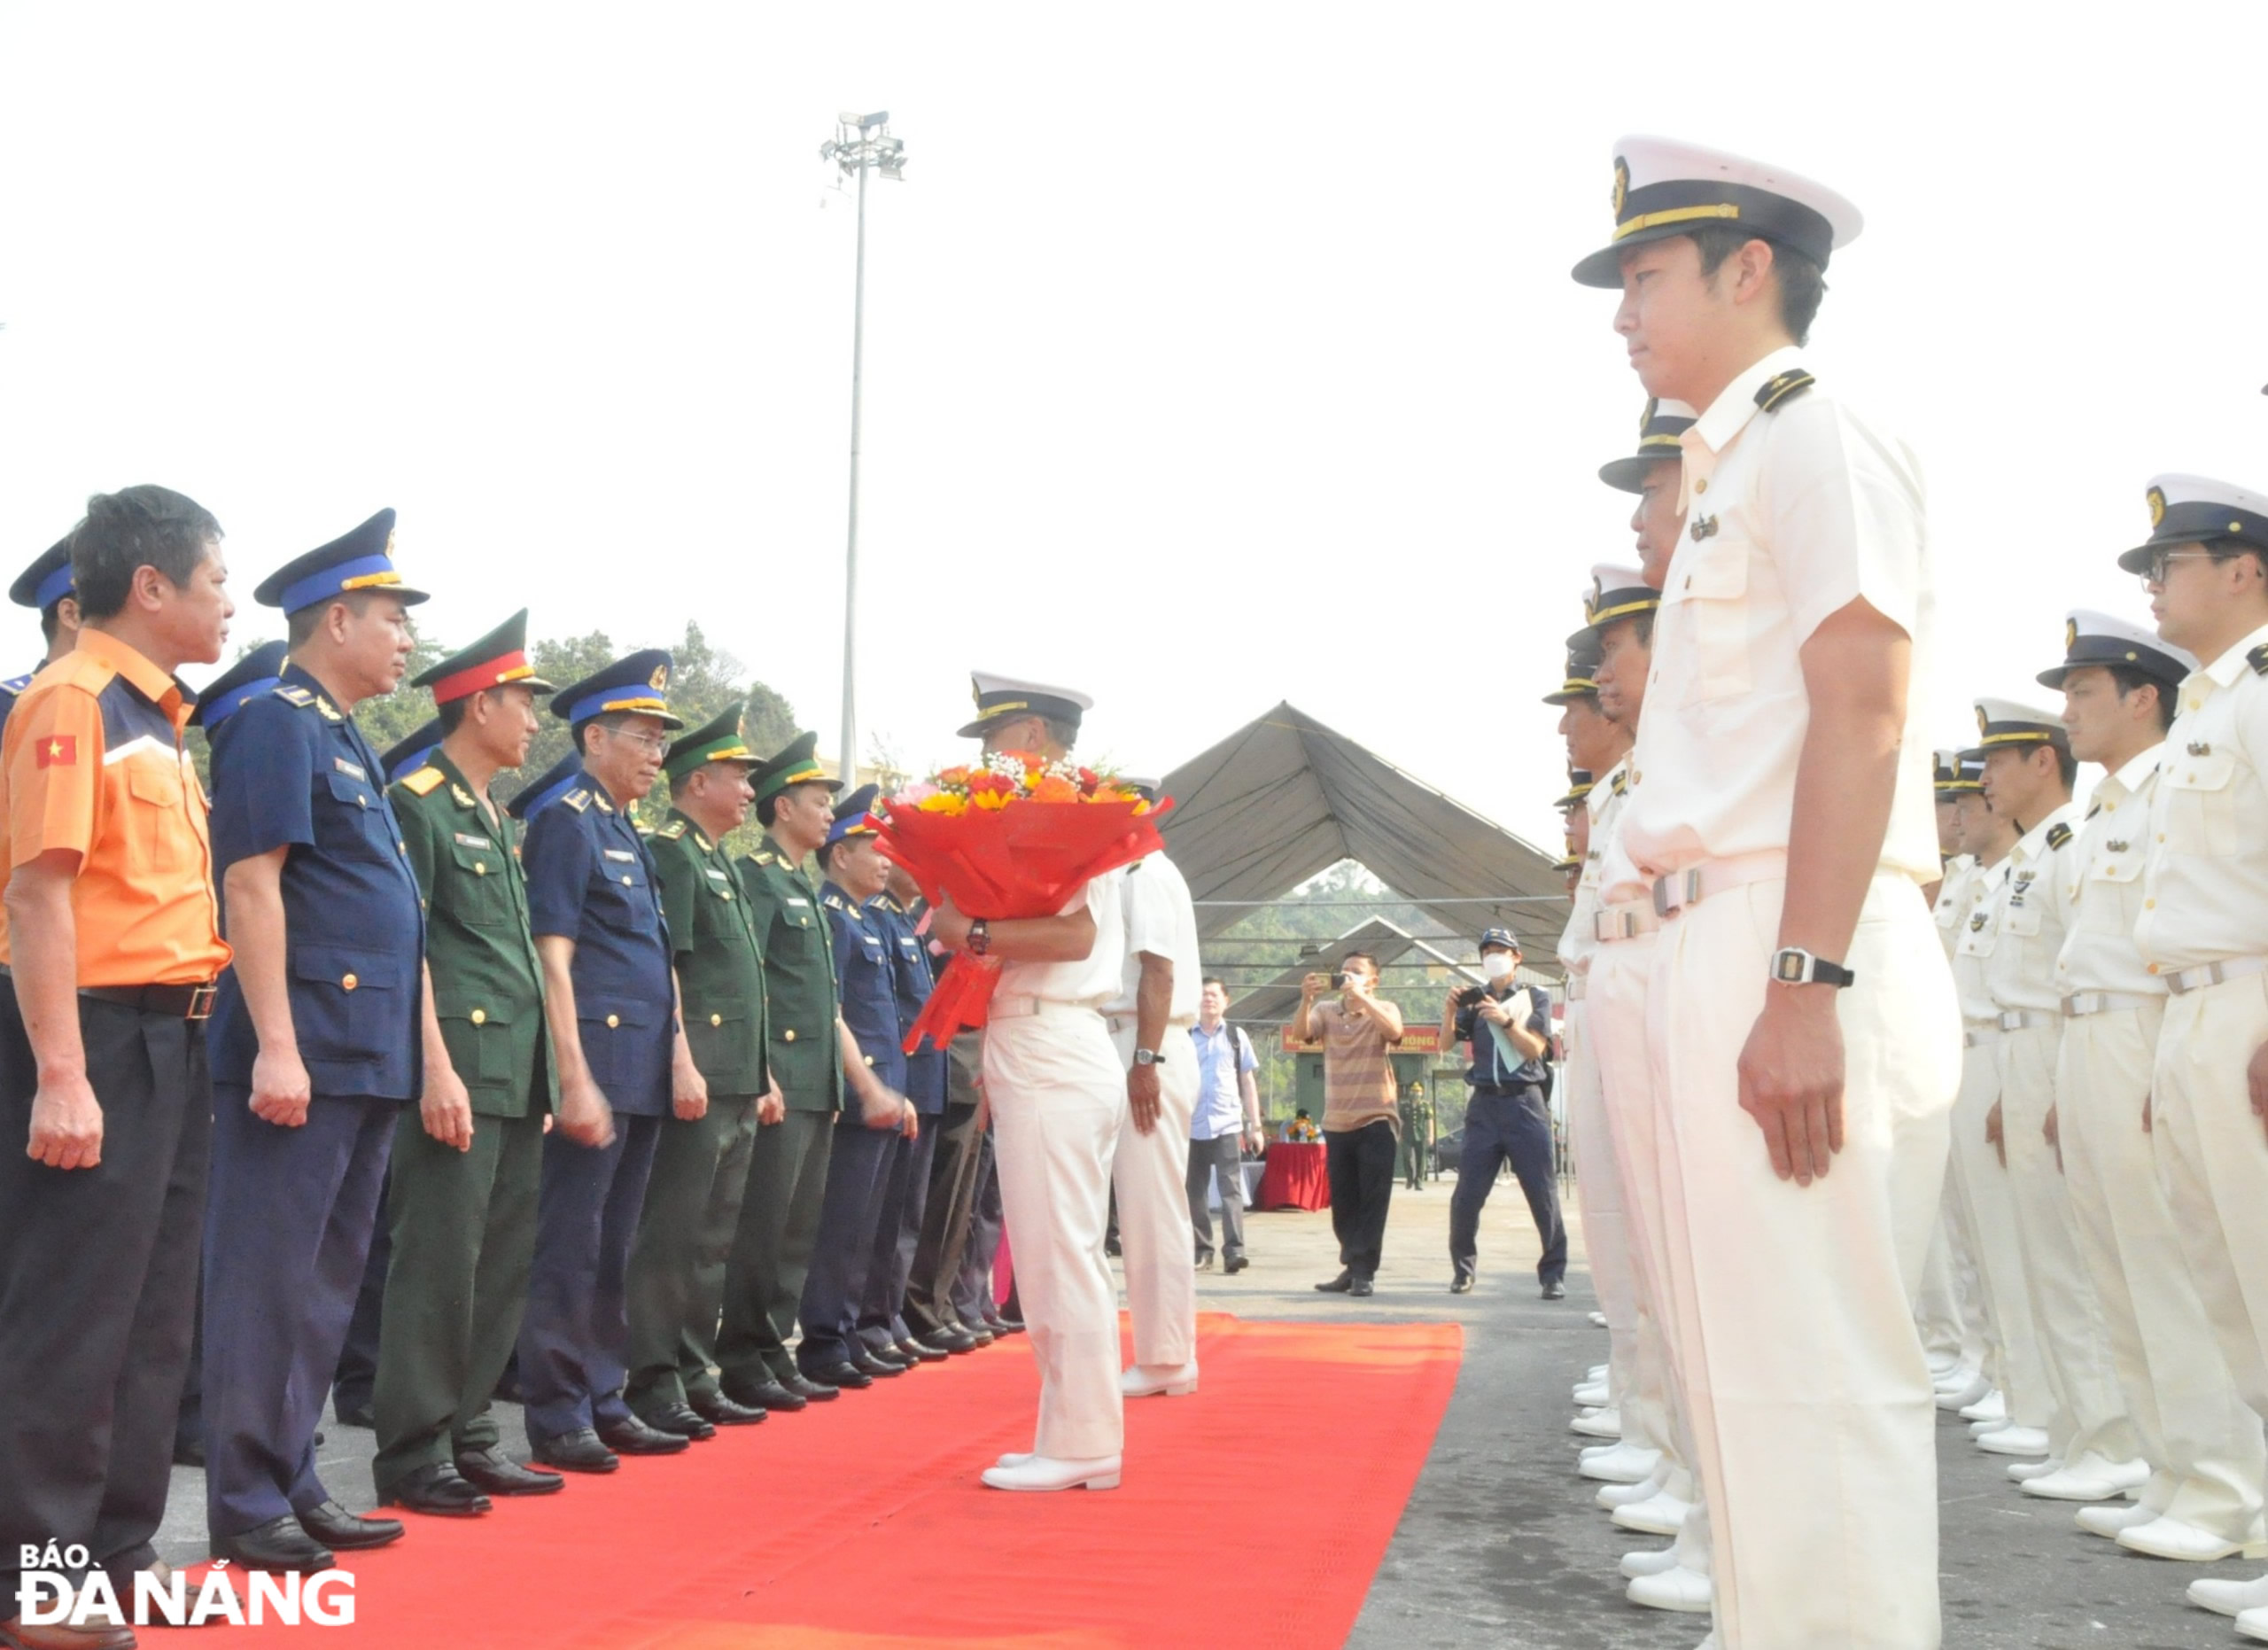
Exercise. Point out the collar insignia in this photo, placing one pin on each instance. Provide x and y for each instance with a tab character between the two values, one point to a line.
464	799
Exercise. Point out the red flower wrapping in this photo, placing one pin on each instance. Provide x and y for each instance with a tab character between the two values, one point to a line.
1026	860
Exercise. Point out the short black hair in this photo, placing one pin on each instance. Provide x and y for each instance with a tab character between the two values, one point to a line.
608	719
132	528
2130	679
1212	979
1803	282
301	624
2226	549
1360	956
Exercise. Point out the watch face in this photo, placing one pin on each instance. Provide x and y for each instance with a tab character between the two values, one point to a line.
1790	966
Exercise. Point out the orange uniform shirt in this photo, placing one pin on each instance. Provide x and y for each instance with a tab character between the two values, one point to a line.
92	761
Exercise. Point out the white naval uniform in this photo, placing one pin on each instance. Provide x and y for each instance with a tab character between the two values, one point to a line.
1810	1399
2203	1442
2205	903
2042	872
1058	1096
1948	1305
1151	1172
1987	1193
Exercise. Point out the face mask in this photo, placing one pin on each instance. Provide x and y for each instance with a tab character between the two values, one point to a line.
1496	965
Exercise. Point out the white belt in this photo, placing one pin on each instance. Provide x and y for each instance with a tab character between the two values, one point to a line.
1979	1031
1575	983
2020	1019
1127	1020
2104	1002
1017	1008
2213	974
1626	919
1696	883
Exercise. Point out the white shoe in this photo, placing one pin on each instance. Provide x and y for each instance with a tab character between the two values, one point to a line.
2229	1598
1598	1372
2013	1441
2165	1537
1647	1562
1677	1587
2089	1478
2024	1472
1593	1395
1611	1496
1016	1458
2253	1623
1942	1363
1664	1516
2109	1521
1599	1423
1621	1464
1976	1390
1042	1473
1598	1320
1992	1406
1150	1380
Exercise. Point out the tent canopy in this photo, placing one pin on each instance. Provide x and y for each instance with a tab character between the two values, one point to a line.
1284	797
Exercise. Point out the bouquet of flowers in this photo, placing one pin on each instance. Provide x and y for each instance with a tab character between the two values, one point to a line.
1009	836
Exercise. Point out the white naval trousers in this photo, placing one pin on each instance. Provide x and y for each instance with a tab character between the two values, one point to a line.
1151	1173
1058	1097
1810	1399
2203	1442
2212	1159
2066	1318
1947	1307
1599	1205
1620	974
1989	1211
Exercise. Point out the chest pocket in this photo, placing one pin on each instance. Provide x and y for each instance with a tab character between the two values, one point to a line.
1710	591
626	877
156	822
1978	935
489	901
2024	920
348	818
2200	802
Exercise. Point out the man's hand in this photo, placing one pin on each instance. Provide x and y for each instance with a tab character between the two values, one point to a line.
281	1092
910	1125
1791	1081
773	1108
885	1108
1993	1136
1313	986
445	1108
948	926
584	1115
2256	1076
67	1129
1142	1097
1255	1141
1358	984
1494	1011
2053	1134
688	1089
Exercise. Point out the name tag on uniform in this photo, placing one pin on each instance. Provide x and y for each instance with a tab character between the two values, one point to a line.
797	899
715	874
619	853
346	767
465	841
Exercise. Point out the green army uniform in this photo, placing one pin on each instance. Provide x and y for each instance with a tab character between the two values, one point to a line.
463	1222
1417	1134
772	1249
701	1169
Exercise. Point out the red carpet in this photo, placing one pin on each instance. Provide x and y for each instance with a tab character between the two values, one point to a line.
1255	1512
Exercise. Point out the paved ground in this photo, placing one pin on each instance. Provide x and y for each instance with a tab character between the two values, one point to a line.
1501	1546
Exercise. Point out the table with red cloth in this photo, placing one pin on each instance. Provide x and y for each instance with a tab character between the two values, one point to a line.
1295	1177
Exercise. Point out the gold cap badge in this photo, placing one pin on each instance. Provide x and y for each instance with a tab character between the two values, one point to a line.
2157	505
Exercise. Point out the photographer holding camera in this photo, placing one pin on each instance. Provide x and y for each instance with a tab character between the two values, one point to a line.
1360	1114
1507	1119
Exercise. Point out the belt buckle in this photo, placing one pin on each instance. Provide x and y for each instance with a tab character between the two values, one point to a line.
1676	891
200	1000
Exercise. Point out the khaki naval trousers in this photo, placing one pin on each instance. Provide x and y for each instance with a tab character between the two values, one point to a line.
1151	1175
1810	1399
1059	1101
2203	1442
1988	1209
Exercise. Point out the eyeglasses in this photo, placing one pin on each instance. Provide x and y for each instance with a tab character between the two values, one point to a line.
2161	560
647	741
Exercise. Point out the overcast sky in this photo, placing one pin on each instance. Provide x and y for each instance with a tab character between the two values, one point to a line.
1216	354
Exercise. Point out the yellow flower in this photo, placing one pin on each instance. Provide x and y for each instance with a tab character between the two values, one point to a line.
945	802
992	801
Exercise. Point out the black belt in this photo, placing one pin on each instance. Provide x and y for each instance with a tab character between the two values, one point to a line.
188	1002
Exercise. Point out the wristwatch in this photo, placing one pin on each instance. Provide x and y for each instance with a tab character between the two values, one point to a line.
1792	965
980	937
1149	1057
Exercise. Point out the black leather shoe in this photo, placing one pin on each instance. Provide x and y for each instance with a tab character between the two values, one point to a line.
912	1349
1343	1284
1004	1325
632	1436
1461	1284
279	1543
1234	1265
891	1355
720	1411
359	1415
876	1368
840	1375
762	1396
577	1451
343	1531
976	1333
496	1472
949	1342
1555	1290
1360	1285
438	1488
681	1419
809	1390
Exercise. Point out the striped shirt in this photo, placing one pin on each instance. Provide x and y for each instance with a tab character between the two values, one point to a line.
1358	1085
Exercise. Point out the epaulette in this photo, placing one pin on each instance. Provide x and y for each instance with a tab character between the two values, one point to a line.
294	695
2257	658
672	831
16	684
763	857
422	782
462	798
577	800
1622	782
1784	387
834	902
2057	835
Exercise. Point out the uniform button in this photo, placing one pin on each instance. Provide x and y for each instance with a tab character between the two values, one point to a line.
2161	836
2154	967
625	882
613	1020
716	1019
401	846
361	801
480	1017
349	982
725	893
1701	485
787	1036
870	1059
480	868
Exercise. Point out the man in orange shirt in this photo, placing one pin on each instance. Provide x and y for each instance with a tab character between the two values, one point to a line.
112	944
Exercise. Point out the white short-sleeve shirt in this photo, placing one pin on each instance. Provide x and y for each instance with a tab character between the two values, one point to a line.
1799	512
1095	979
2205	883
2035	904
1579	943
1161	919
2098	951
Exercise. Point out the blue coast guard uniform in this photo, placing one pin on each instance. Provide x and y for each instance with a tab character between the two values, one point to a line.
289	1211
905	1189
860	1159
591	880
39	586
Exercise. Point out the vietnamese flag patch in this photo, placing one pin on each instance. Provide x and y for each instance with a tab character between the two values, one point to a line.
59	751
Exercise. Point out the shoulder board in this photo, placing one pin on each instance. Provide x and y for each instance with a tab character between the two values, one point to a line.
291	695
422	782
2057	835
834	902
1622	782
765	857
2257	658
645	832
1785	387
672	831
462	798
577	800
15	684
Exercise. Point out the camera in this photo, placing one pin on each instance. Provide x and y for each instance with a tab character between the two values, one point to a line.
1471	996
1339	980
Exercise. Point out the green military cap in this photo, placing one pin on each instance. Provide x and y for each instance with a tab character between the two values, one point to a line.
797	764
716	740
498	659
